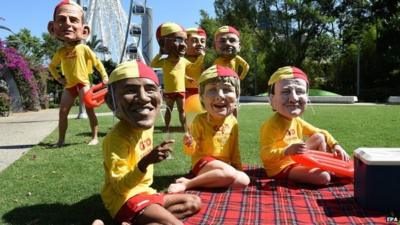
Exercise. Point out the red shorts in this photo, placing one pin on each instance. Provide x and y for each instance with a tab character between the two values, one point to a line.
174	95
135	206
74	90
201	163
284	174
191	91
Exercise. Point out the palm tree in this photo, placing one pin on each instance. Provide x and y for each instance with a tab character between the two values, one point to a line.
97	46
4	27
94	42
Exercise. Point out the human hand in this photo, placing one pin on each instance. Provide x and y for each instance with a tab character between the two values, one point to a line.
61	81
294	149
187	139
157	154
160	152
340	153
191	80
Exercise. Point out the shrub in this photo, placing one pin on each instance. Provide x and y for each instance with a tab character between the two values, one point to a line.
4	104
23	76
41	76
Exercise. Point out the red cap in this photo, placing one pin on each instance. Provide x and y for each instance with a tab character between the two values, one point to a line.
66	2
197	31
217	71
227	29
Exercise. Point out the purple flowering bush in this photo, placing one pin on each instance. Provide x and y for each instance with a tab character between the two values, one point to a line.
5	100
41	76
23	75
4	104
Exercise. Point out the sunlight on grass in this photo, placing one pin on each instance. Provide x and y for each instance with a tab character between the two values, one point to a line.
61	186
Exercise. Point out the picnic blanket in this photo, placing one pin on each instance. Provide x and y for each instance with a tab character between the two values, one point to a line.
268	201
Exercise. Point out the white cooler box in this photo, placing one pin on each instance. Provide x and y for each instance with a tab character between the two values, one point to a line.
377	178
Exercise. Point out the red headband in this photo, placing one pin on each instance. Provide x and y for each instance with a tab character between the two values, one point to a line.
197	31
227	29
65	2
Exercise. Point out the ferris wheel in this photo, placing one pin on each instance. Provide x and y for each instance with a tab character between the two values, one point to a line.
120	35
123	36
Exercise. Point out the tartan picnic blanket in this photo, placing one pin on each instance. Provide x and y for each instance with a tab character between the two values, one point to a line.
268	201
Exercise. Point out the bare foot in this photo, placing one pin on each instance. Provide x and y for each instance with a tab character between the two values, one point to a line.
179	186
94	141
59	144
97	222
182	180
176	188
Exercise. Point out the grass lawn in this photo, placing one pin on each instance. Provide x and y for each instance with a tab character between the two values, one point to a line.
61	186
100	109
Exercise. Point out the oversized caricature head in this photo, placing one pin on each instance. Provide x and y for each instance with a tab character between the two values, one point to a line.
196	42
172	39
68	25
219	91
289	91
227	42
134	94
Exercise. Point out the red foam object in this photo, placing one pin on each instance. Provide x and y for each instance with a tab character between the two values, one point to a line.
94	97
325	161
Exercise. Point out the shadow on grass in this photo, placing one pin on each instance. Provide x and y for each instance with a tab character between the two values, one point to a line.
16	146
89	134
83	212
54	146
172	129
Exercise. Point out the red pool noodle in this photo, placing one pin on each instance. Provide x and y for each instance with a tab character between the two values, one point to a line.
325	161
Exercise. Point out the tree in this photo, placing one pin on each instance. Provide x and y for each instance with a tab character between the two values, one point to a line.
94	42
49	46
373	28
4	27
277	33
324	38
97	45
27	45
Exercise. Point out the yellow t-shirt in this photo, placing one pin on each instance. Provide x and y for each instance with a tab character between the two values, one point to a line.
123	148
76	64
234	63
174	71
216	139
193	72
278	133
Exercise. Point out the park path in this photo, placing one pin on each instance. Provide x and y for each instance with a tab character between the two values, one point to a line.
21	131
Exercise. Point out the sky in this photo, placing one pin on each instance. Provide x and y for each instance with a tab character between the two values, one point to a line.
34	15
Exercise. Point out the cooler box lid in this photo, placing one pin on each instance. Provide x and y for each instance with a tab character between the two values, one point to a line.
378	156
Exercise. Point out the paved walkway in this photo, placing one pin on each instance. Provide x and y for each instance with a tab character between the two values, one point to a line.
21	131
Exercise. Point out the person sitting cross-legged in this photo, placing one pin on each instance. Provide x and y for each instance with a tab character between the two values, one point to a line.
135	98
213	141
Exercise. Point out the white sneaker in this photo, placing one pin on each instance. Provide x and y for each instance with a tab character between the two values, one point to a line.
82	116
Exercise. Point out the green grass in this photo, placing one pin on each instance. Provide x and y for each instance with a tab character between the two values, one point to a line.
102	108
61	186
312	92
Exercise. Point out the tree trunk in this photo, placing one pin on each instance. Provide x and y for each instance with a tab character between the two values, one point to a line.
16	102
